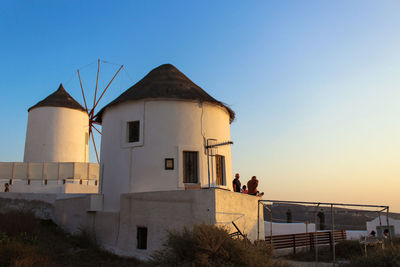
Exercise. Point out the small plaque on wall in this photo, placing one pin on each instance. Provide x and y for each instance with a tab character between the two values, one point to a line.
169	164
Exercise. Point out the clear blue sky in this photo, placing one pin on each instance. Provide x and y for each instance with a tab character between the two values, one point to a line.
315	84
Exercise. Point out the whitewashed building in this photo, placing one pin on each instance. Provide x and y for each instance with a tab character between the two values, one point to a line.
165	163
154	138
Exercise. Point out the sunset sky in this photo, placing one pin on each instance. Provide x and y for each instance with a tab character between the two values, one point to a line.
315	84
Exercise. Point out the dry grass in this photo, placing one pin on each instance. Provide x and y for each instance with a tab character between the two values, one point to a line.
353	251
389	257
345	250
28	241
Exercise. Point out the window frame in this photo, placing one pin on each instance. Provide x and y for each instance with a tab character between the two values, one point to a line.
129	126
125	133
169	164
197	168
223	169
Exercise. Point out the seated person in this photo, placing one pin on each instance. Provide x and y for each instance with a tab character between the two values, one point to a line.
244	190
252	186
6	187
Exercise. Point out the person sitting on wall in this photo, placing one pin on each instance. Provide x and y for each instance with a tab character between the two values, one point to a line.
372	239
252	186
372	234
6	187
244	190
236	183
321	216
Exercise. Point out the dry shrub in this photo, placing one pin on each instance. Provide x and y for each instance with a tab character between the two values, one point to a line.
18	240
27	241
14	252
32	260
14	223
208	245
12	249
380	257
348	249
85	239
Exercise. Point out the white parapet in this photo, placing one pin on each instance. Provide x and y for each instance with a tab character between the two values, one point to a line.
50	177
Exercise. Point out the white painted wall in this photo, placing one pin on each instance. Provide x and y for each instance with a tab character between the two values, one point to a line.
57	134
288	228
241	209
371	225
167	127
157	211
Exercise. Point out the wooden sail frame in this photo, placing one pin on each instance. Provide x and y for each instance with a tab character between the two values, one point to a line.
96	101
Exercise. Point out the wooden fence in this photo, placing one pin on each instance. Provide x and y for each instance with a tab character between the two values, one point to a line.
306	239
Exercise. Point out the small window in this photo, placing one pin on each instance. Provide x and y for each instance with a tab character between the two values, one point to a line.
133	128
142	237
220	169
190	167
169	164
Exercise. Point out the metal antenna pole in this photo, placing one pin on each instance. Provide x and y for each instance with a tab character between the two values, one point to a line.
380	222
270	225
208	165
315	236
333	236
258	220
388	225
212	168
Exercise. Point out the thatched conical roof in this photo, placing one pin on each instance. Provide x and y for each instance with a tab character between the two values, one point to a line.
59	98
165	82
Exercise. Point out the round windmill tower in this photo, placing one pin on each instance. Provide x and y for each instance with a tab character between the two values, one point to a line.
58	130
158	135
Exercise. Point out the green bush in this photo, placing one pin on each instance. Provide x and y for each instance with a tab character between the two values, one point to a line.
208	245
